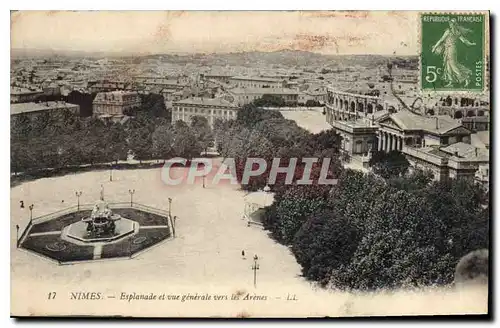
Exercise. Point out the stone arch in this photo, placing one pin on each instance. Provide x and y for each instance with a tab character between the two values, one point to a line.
353	106
361	107
458	114
369	108
346	105
456	101
336	102
470	113
480	113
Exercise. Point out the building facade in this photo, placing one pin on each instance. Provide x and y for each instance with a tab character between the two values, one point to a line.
210	108
255	82
114	103
243	96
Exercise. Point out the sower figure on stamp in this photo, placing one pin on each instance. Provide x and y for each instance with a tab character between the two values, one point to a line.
453	71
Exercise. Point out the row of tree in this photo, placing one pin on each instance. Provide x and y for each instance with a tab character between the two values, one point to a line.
259	133
60	139
369	232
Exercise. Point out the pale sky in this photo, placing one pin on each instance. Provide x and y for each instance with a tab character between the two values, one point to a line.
217	31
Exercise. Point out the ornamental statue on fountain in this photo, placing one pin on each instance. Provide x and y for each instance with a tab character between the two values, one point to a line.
101	222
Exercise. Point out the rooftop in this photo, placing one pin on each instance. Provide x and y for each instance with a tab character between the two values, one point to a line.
206	102
34	107
20	91
255	78
436	124
270	91
467	151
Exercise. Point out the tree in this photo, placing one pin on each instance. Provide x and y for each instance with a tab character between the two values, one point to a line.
326	242
140	143
153	105
268	100
391	164
185	143
116	141
293	208
163	140
202	130
250	114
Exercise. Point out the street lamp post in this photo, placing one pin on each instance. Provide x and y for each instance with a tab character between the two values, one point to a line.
255	267
131	192
17	235
31	213
130	247
78	194
173	226
170	207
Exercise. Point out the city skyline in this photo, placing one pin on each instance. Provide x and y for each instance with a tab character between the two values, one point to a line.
323	32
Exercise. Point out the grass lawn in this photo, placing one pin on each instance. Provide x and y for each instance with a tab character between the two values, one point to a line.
54	247
59	223
143	218
143	239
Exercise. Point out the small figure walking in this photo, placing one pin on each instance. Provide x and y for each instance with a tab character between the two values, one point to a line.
62	201
22	203
243	254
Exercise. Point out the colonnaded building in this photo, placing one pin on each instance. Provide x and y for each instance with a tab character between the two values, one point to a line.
437	140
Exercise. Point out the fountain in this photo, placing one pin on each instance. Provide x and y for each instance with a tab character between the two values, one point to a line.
101	226
101	222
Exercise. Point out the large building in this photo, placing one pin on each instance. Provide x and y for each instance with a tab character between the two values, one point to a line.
439	143
20	95
405	128
32	109
460	160
255	82
210	108
113	104
243	96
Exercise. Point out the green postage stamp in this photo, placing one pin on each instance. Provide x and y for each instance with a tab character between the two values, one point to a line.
453	51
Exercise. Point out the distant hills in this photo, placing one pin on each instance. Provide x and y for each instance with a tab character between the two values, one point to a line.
287	58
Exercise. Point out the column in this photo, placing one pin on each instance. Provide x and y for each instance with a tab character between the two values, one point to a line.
386	142
391	142
380	141
398	143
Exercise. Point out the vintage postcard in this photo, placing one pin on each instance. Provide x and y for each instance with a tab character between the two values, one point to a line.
267	164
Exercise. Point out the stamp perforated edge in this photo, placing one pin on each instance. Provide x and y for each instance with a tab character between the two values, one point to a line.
486	55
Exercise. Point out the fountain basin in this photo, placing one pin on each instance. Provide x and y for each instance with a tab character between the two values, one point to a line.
78	231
